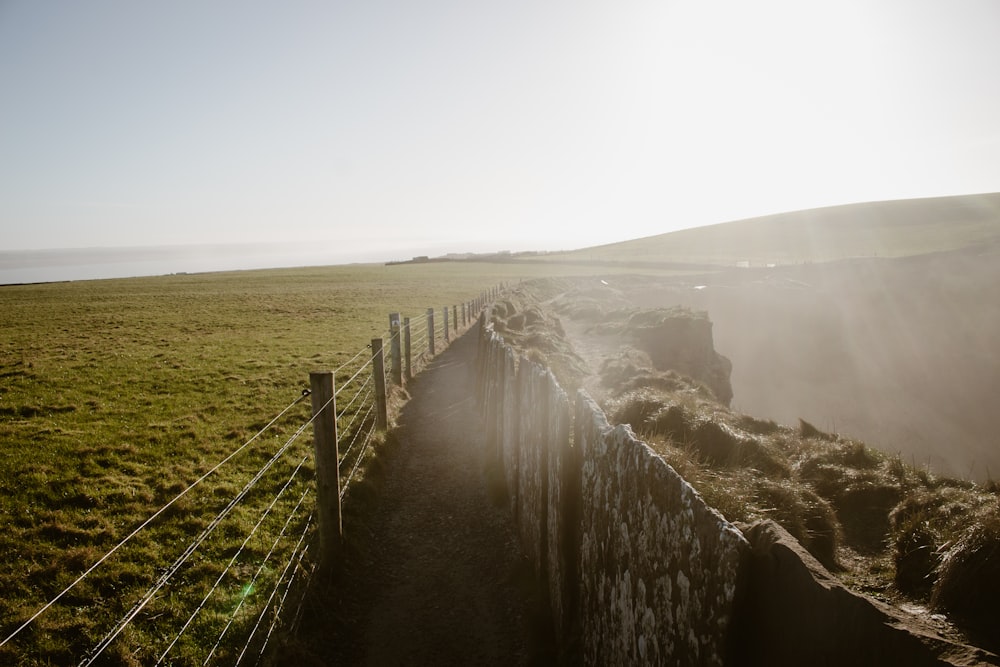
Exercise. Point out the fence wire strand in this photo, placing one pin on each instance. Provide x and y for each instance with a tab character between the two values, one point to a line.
260	569
355	398
188	552
232	561
276	618
354	418
350	361
357	462
343	456
151	519
354	377
298	549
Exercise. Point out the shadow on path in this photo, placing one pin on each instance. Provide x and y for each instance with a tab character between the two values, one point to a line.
439	577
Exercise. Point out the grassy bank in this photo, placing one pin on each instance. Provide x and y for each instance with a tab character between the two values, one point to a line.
900	228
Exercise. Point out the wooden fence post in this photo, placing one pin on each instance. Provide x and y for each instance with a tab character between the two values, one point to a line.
378	370
406	348
430	331
324	408
446	324
395	349
454	318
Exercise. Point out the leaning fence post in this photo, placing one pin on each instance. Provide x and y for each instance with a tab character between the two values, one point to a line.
406	348
324	408
394	350
378	370
430	331
446	324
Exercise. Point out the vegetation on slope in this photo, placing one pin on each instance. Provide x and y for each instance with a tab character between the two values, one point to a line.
885	527
872	229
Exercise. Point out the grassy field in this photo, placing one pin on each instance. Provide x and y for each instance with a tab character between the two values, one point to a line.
875	229
115	395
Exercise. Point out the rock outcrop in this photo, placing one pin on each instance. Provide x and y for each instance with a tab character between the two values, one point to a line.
680	340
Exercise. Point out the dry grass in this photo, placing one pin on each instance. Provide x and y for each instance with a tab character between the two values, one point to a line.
889	529
885	527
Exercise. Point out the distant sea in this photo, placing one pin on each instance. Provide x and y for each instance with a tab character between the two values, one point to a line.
43	266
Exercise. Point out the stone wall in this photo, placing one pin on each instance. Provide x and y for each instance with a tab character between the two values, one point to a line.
658	567
640	570
637	567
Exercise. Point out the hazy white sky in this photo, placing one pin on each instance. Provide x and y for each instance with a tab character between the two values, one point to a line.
458	124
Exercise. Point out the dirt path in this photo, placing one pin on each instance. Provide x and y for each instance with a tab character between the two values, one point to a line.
440	579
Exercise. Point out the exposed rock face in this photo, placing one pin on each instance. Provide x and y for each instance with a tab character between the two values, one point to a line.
681	340
794	612
674	340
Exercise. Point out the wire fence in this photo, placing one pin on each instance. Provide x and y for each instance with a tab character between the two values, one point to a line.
240	581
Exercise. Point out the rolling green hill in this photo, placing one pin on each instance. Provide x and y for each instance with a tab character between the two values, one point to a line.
884	229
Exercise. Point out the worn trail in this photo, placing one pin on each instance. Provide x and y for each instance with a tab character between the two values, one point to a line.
440	578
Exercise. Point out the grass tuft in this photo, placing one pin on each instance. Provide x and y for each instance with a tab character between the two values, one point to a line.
968	576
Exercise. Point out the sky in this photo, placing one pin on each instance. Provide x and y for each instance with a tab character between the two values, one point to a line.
400	128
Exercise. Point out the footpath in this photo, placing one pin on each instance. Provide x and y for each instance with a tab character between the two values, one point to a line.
439	578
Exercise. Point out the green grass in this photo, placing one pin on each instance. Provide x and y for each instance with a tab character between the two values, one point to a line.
116	395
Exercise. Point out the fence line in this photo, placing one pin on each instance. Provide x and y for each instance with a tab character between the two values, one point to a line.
188	552
260	569
301	548
232	561
148	521
362	417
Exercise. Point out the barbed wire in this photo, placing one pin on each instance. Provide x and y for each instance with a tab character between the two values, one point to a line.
355	398
277	614
357	462
350	361
260	569
228	567
297	616
418	340
354	377
354	418
151	519
343	456
191	548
